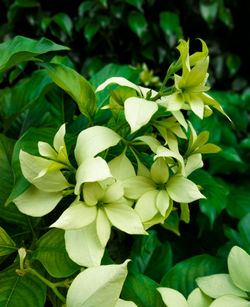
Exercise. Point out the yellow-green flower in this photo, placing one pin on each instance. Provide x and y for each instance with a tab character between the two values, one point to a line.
191	85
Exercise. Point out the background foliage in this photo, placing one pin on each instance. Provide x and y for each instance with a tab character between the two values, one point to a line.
133	32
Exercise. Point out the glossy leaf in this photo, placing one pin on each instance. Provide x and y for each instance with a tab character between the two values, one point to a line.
50	251
91	29
21	49
141	290
64	22
182	276
23	291
75	85
215	193
7	245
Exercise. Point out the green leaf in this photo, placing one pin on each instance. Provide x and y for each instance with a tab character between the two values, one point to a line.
182	276
239	268
244	229
170	23
137	23
109	71
7	245
21	49
50	251
24	95
64	22
98	286
238	201
76	86
27	3
233	63
137	3
209	10
23	291
84	7
91	29
150	256
216	194
141	290
172	223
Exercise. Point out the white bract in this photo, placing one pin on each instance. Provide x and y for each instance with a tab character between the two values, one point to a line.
45	175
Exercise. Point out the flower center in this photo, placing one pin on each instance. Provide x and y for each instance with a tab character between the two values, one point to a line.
161	186
100	204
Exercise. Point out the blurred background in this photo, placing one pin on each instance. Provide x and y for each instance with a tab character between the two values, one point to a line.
138	31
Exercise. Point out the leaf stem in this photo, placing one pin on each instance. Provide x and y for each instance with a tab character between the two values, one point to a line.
50	284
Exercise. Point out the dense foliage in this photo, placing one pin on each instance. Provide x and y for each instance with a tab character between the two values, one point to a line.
129	156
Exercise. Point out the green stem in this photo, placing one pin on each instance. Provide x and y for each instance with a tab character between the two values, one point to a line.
50	284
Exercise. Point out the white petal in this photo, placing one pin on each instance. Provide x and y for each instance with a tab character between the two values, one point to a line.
35	202
230	301
103	227
94	140
151	141
138	112
59	138
97	287
32	166
193	162
136	186
197	105
121	167
118	80
92	193
83	246
183	190
46	150
198	299
123	303
124	218
172	297
76	217
113	193
91	170
162	202
146	205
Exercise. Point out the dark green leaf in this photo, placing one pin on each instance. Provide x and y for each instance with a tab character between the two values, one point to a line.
22	291
238	202
76	86
141	290
84	7
216	194
137	23
169	23
91	29
51	252
137	3
172	223
209	10
23	95
27	3
182	276
150	256
64	22
21	49
244	229
7	245
233	63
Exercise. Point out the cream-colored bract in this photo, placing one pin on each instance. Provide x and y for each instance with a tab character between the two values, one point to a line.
98	286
